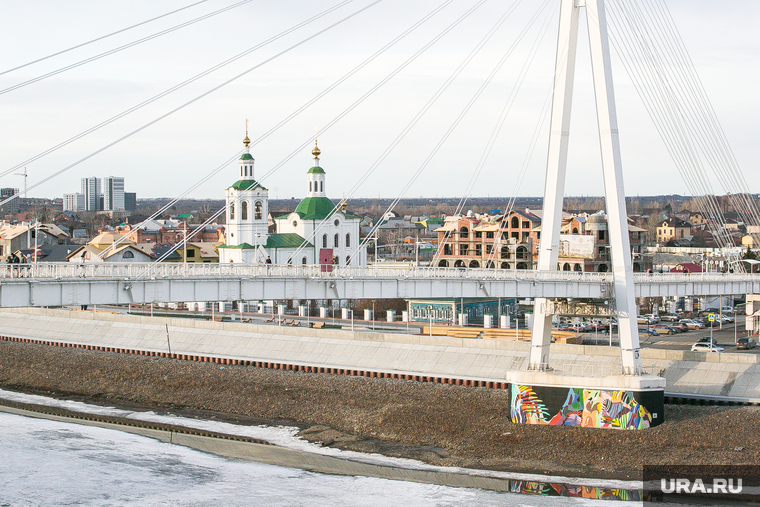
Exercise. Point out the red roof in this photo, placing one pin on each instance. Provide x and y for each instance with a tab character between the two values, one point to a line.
687	267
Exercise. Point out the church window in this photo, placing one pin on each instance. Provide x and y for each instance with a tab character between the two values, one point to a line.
335	241
232	211
324	240
348	240
295	223
257	210
348	260
303	261
321	186
244	211
128	255
310	186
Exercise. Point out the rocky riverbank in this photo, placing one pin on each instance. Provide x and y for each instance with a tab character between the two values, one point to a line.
439	424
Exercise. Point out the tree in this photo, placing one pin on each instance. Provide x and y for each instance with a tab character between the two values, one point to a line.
749	255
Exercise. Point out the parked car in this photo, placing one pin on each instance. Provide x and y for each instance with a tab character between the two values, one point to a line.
707	339
727	319
643	319
746	344
706	347
664	329
670	317
693	324
679	326
647	331
652	318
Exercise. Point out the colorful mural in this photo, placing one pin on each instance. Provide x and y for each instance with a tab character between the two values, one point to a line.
592	492
582	407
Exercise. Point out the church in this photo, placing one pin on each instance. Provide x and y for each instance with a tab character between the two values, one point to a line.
316	232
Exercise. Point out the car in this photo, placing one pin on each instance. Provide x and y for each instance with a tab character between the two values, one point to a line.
706	347
746	344
643	319
727	319
679	326
707	339
647	331
693	324
670	317
652	318
664	329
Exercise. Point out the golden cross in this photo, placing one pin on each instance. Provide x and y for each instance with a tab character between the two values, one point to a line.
246	127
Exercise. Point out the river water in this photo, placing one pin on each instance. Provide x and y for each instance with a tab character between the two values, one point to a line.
47	462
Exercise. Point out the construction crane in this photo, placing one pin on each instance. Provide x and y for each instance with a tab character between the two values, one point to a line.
24	174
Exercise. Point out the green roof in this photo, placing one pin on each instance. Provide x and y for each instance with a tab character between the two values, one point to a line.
315	169
286	240
242	246
315	208
246	156
247	185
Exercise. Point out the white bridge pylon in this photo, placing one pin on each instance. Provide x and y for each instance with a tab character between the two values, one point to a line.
622	270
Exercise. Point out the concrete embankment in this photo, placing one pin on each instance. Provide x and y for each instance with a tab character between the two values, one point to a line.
432	358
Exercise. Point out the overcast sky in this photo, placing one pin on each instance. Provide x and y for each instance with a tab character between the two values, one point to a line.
167	158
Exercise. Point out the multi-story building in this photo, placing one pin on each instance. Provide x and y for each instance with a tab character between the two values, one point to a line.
73	202
672	228
113	193
91	192
130	201
10	207
511	242
503	241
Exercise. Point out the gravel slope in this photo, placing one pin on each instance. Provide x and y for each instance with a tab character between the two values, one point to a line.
439	424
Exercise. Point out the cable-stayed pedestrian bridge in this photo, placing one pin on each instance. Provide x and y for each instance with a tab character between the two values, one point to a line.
61	284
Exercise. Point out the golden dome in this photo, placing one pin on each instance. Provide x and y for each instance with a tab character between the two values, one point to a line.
246	141
316	151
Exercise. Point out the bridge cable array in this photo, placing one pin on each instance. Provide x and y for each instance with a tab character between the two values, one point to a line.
101	37
657	61
175	87
197	98
121	48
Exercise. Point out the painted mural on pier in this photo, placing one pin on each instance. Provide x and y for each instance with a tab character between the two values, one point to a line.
582	407
591	492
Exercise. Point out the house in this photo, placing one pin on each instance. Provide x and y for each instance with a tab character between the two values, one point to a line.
672	228
24	236
111	246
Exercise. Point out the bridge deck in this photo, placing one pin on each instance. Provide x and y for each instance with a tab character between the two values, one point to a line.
61	284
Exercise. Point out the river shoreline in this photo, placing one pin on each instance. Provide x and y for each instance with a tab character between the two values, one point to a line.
437	424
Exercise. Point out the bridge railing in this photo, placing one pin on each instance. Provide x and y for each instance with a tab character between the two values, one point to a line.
136	271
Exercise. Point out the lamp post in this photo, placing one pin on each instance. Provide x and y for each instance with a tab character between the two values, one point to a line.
255	245
184	241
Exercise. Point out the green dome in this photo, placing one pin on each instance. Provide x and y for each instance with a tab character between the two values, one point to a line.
246	156
317	170
315	208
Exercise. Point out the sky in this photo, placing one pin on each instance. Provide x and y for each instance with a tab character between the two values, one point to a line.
204	138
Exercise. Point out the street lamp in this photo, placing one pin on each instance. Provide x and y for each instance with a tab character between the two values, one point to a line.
184	240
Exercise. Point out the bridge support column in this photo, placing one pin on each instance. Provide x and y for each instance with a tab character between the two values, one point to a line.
622	269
